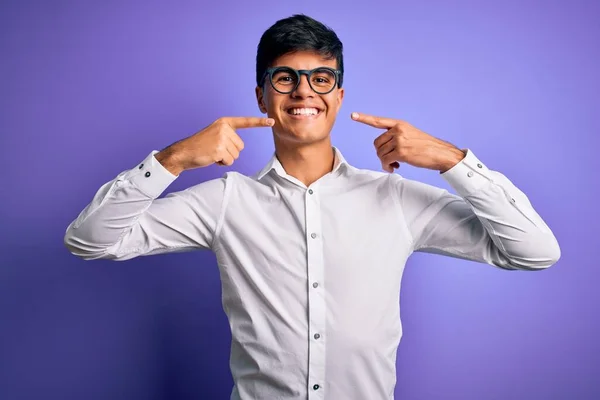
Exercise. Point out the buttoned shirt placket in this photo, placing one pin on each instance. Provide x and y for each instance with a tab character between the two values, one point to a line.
316	295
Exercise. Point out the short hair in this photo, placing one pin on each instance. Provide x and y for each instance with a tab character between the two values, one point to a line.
298	33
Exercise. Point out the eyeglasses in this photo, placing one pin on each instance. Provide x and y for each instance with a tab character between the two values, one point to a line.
285	80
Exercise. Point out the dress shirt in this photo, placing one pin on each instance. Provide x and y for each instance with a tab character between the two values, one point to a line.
311	275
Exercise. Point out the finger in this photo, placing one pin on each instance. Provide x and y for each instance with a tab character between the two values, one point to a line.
248	122
389	162
386	148
386	167
228	156
233	150
383	139
390	167
376	122
236	140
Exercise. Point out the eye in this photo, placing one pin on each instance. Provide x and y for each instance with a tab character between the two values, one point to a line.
284	77
323	78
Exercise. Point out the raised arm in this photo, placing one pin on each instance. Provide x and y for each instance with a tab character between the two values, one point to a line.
126	219
489	221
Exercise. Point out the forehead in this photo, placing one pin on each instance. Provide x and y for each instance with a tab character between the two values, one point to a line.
304	60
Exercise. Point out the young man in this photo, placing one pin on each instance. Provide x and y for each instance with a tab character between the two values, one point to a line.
311	250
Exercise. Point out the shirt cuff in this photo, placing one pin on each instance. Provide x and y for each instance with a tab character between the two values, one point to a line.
468	175
150	176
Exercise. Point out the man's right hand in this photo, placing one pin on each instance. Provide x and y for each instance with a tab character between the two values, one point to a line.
217	143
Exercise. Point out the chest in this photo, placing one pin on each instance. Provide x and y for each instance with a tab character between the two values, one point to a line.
341	230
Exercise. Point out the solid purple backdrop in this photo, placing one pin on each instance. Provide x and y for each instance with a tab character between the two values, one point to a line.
89	90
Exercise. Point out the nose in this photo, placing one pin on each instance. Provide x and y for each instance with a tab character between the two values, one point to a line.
303	90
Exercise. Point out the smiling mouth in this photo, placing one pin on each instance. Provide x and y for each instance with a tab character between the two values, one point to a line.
304	113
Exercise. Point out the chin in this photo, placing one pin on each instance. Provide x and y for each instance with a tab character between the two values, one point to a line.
306	135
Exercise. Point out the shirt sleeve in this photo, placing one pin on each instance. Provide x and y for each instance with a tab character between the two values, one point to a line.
126	219
489	221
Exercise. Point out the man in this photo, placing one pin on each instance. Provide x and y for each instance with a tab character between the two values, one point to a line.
311	250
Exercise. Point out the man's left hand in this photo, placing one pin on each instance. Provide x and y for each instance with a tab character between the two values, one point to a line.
402	142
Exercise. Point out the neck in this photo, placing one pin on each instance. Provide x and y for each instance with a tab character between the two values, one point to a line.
307	163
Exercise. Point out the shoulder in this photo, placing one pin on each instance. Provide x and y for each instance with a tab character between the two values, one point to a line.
229	182
365	175
212	188
411	190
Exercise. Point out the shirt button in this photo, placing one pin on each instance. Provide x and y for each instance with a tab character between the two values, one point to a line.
317	336
479	165
313	235
315	284
315	387
470	174
513	200
147	174
310	191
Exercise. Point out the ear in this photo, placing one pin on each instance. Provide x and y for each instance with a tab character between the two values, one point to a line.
339	98
260	100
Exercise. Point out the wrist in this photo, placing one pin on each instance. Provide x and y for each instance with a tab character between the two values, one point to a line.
455	155
169	159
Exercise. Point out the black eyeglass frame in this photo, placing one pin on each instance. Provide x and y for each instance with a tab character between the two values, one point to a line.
299	72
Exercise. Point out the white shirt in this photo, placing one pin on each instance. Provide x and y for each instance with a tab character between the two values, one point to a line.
311	275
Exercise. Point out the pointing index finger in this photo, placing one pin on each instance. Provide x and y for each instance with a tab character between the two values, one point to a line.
376	122
248	122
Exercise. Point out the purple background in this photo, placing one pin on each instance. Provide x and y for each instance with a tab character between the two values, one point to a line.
88	90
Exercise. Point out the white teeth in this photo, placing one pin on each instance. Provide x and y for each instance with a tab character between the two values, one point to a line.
304	111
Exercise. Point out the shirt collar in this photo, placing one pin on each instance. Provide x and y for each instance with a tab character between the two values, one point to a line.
275	164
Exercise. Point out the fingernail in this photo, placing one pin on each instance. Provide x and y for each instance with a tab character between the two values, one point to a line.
270	121
354	115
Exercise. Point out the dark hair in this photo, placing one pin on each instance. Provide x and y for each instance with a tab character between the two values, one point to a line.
297	33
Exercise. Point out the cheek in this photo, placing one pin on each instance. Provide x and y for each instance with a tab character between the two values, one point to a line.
272	100
333	101
332	108
273	105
